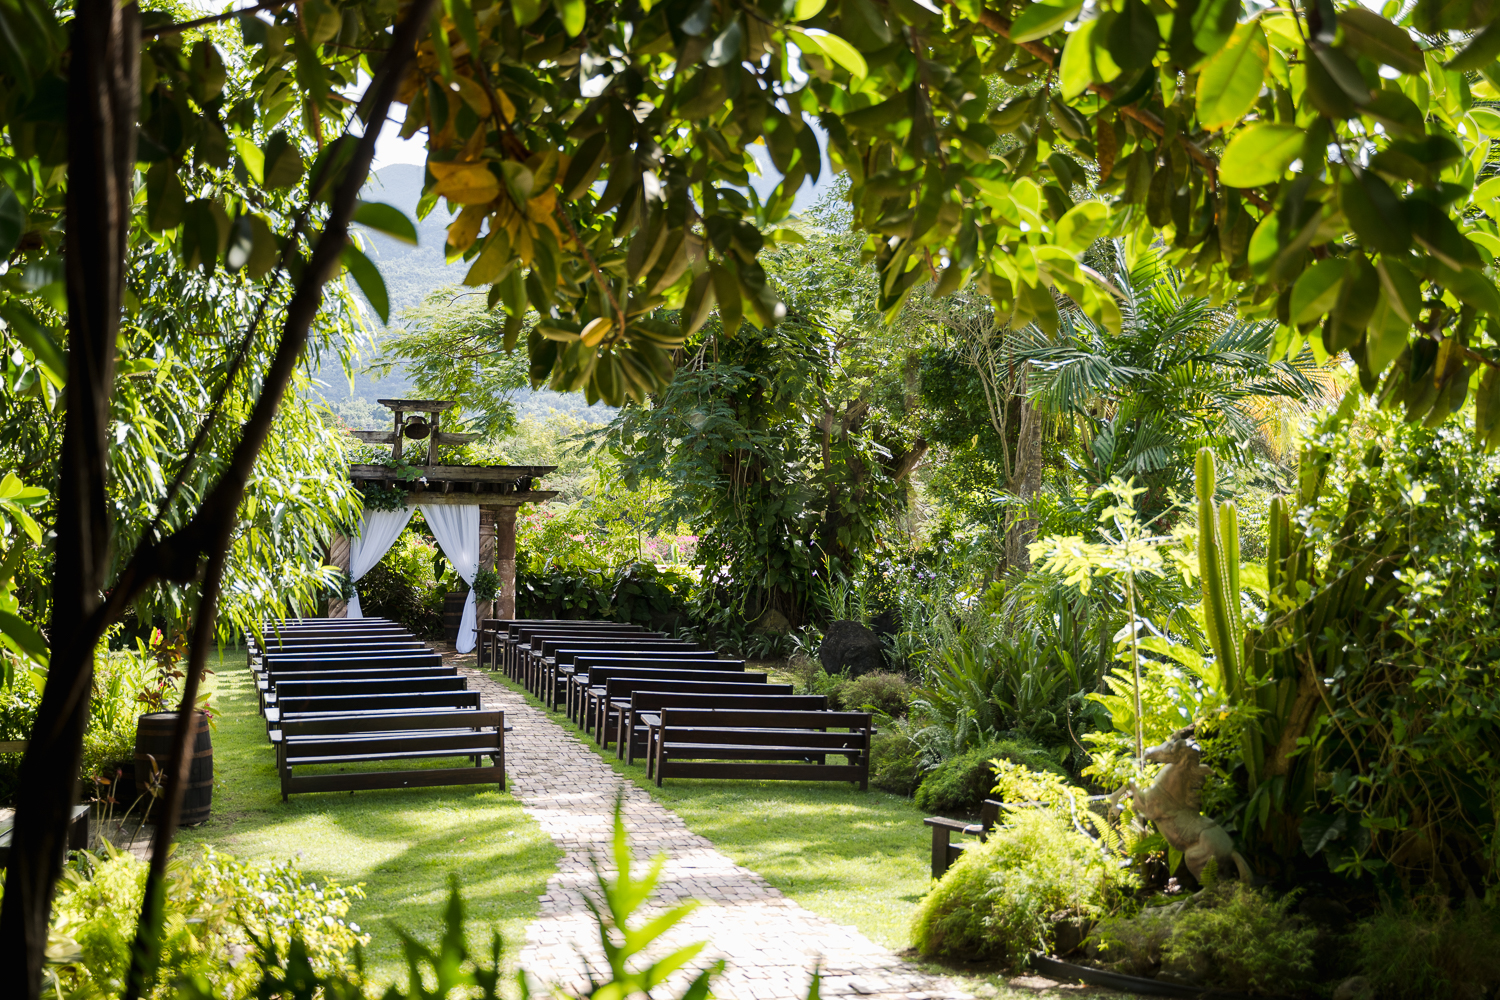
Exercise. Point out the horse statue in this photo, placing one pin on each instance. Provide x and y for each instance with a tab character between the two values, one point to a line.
1172	803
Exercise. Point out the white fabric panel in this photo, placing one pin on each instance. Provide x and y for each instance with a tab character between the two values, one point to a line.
379	532
456	528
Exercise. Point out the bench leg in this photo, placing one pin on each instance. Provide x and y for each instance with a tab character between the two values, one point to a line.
941	837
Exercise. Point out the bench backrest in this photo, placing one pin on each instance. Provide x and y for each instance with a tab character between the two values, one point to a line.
536	640
652	700
697	718
277	674
305	687
664	650
598	676
320	648
523	633
336	661
620	687
378	702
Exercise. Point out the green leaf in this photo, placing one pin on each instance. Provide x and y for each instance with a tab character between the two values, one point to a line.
1039	20
386	219
1230	81
1374	212
1212	21
835	48
1260	154
807	8
1075	71
1081	225
283	162
1479	53
13	220
1401	289
23	634
1438	235
1317	290
1385	337
1375	38
165	199
367	275
1397	113
572	13
35	338
1133	36
463	19
1487	120
866	19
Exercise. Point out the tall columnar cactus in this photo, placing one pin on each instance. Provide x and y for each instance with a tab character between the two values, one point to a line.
1278	666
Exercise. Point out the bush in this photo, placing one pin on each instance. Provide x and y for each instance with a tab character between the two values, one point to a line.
881	690
385	593
896	762
216	909
1241	938
962	783
1429	950
1004	898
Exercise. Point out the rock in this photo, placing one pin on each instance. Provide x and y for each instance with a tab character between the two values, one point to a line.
773	621
1354	988
850	645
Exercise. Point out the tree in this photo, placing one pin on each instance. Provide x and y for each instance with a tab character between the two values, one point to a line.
451	346
785	448
1179	375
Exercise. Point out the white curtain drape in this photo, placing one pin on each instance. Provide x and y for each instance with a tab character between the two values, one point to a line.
456	528
379	532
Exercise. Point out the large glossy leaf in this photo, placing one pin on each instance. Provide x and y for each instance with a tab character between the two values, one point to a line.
1260	154
1230	81
1040	19
367	276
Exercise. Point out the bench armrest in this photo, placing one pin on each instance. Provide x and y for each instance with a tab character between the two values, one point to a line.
957	826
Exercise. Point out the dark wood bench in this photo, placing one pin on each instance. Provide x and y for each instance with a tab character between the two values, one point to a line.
589	683
266	681
530	648
379	738
565	658
637	707
319	686
517	640
78	821
492	632
347	704
780	746
944	850
611	686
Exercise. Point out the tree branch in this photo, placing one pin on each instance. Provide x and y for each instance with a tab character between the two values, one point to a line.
203	22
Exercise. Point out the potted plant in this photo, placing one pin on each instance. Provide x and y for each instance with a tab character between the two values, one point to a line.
157	727
486	589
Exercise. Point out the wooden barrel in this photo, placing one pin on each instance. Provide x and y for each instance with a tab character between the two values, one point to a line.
453	613
153	742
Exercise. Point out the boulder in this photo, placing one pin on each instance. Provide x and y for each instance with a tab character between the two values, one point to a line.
851	646
773	621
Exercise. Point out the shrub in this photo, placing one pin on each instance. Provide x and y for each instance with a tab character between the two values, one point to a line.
1240	938
962	783
881	690
216	909
896	763
1429	950
1003	899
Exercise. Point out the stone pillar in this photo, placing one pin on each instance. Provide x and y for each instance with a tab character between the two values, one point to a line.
338	555
505	562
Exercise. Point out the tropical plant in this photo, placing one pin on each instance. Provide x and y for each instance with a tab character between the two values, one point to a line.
1179	374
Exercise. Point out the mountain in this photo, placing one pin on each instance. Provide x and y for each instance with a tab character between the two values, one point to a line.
410	273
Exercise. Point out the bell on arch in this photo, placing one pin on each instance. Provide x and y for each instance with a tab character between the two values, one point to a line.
416	428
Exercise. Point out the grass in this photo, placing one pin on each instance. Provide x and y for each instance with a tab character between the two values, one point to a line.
858	858
401	844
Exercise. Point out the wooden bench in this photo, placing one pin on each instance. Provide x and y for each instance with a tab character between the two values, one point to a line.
637	706
378	738
557	668
517	638
347	704
589	683
528	650
493	630
944	850
78	821
748	745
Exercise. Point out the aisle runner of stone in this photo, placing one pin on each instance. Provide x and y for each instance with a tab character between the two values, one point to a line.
769	942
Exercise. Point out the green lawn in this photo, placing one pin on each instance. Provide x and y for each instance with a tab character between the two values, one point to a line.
401	844
857	858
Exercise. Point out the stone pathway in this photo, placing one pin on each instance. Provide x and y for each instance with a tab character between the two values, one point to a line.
770	944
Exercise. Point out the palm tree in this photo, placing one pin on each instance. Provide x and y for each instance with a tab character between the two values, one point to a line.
1180	374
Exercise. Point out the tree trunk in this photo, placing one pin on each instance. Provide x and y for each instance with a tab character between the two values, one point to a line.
103	94
1020	520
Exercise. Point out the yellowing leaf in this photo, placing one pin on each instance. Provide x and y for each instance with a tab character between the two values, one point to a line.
1081	226
465	183
594	332
464	230
1231	79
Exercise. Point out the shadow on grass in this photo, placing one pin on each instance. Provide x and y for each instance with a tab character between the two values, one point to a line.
857	858
401	843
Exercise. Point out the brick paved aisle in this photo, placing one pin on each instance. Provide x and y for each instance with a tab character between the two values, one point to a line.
769	942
